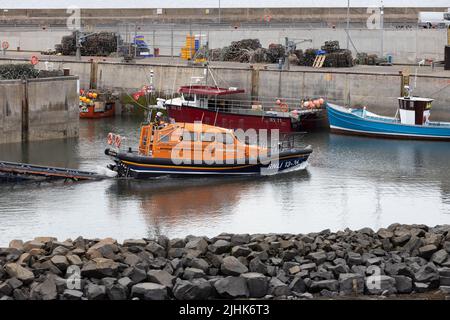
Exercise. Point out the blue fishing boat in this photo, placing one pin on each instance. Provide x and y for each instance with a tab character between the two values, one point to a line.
410	122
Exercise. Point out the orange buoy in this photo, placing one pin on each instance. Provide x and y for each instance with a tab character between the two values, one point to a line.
34	60
110	138
118	141
284	107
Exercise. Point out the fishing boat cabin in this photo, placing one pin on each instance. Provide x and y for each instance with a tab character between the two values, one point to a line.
414	110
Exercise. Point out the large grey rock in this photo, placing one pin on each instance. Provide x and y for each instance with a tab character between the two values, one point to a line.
73	259
232	287
60	262
95	292
377	284
308	266
413	245
199	263
161	277
5	289
240	239
444	281
70	294
317	286
401	239
231	266
134	242
100	268
427	251
353	258
421	287
444	272
16	244
403	284
385	234
439	256
105	248
256	265
149	291
199	244
427	273
17	271
177	243
297	285
125	282
220	246
193	273
351	283
317	257
156	249
136	274
45	290
196	289
116	292
240	251
257	284
278	288
444	289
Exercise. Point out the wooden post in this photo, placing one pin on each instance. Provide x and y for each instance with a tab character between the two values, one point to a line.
93	77
255	83
25	112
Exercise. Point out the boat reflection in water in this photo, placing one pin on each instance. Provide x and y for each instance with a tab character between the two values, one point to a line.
179	205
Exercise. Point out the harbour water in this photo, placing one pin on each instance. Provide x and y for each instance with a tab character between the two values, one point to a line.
350	182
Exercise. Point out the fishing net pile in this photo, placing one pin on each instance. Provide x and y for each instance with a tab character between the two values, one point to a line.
97	44
335	56
18	71
24	71
251	51
248	50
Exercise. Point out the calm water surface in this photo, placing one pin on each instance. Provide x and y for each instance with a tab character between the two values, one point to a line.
350	182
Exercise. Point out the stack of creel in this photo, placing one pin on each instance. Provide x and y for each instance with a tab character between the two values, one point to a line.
308	57
331	46
339	59
275	53
97	44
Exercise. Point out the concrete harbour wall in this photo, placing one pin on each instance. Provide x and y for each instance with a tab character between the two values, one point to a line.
38	109
12	96
376	90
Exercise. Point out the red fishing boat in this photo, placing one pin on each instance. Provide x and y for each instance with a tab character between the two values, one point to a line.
94	105
222	107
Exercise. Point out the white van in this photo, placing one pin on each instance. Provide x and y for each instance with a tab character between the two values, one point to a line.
434	19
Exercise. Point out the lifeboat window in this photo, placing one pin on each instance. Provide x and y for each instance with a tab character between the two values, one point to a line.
208	137
165	138
190	136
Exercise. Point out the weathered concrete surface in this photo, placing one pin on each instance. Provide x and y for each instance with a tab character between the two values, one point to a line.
11	98
38	109
375	87
53	108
